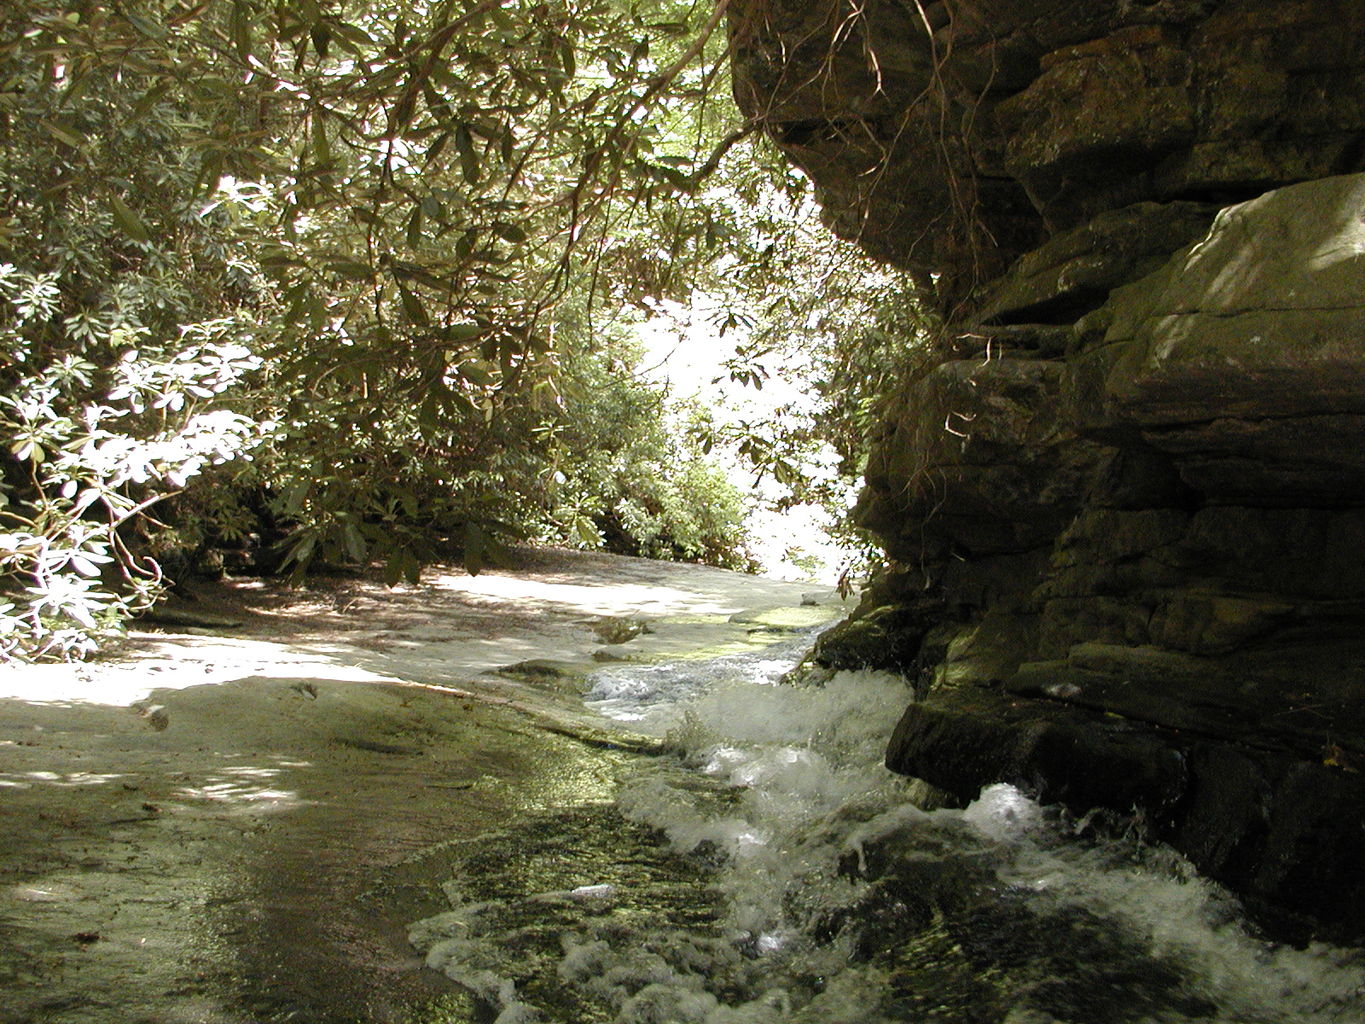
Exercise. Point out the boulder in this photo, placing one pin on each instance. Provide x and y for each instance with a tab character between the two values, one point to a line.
1244	355
978	456
1075	271
1263	316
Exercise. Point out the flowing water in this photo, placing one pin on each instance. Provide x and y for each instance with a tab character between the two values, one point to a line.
771	871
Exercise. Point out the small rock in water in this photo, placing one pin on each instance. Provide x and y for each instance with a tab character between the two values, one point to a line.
619	631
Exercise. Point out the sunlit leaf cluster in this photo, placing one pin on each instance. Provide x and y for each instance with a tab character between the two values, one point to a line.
300	283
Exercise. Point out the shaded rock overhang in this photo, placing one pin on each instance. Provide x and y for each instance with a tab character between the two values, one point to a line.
1125	502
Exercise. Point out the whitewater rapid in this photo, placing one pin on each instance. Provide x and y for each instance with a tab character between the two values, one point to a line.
772	871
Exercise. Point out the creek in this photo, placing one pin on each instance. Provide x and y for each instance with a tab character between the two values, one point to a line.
769	870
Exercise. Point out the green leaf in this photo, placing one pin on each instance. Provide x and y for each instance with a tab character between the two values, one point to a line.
476	373
351	270
149	99
400	566
438	147
62	135
322	149
147	27
79	84
413	307
128	221
352	39
586	531
469	158
302	545
353	542
294	496
404	271
462	332
28	451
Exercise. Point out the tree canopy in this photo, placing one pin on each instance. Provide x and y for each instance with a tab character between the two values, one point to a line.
321	281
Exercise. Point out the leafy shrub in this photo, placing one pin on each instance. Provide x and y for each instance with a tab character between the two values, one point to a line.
93	450
328	280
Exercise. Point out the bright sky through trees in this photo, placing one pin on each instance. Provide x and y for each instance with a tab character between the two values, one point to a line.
686	355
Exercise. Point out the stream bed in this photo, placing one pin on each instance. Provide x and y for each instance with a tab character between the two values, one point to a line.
769	870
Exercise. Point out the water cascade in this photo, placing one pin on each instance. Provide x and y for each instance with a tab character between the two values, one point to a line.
770	870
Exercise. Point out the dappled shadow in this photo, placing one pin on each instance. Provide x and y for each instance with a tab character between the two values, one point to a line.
121	839
23	780
260	855
245	785
540	582
240	823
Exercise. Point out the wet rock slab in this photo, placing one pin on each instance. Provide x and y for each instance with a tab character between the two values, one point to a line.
238	828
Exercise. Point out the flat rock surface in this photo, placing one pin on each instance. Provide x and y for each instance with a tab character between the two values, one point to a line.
237	823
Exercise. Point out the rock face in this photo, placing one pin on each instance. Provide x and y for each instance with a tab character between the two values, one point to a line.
1126	501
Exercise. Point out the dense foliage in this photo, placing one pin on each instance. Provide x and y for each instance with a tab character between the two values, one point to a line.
335	282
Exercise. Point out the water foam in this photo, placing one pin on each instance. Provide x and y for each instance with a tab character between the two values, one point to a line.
837	900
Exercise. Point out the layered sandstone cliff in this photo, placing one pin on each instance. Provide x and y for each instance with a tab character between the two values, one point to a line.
1126	501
